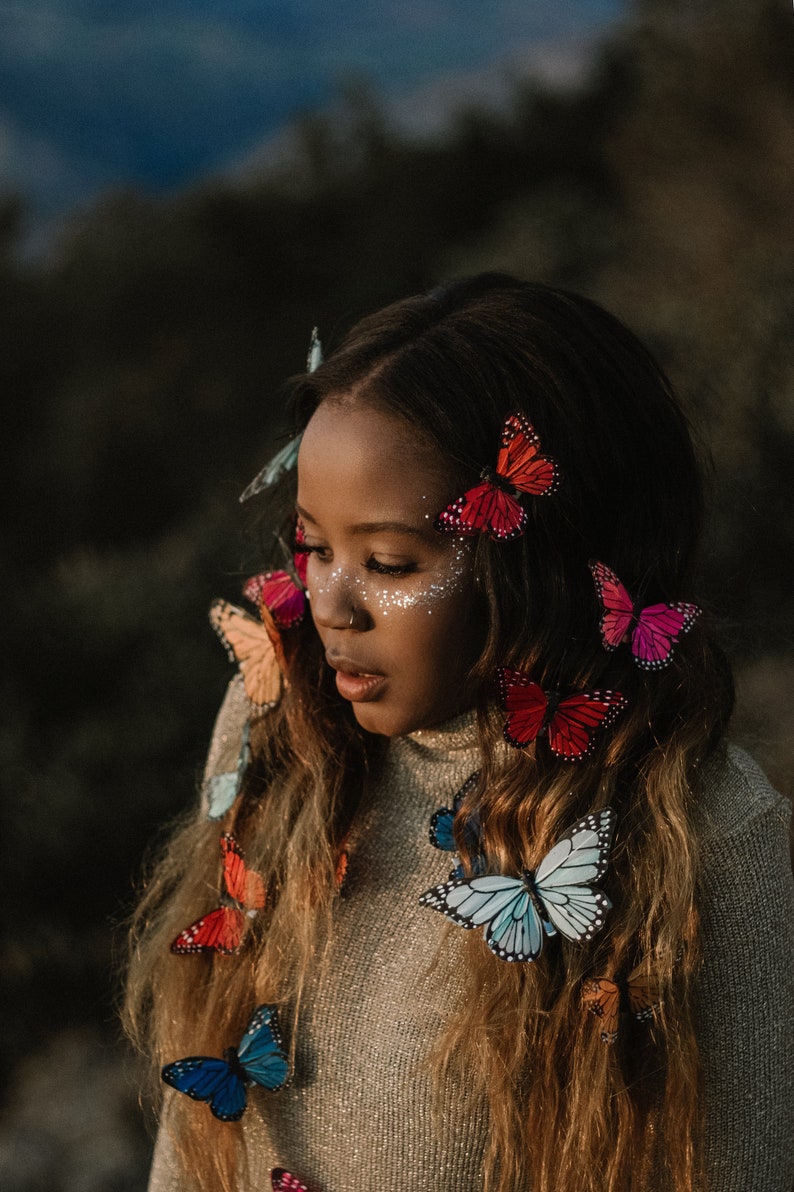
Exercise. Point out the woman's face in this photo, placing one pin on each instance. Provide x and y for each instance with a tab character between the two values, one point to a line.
391	598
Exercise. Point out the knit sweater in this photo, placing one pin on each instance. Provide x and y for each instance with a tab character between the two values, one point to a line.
360	1113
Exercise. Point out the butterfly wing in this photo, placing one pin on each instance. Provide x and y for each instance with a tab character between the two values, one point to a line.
283	1181
642	995
242	884
602	998
256	648
220	930
500	904
484	508
565	879
261	1051
223	789
525	703
657	630
300	557
617	616
282	462
280	594
442	820
207	1079
578	717
520	461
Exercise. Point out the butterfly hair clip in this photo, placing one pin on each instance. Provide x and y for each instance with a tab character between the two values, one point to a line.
286	458
284	1181
609	997
276	593
256	647
442	835
259	1059
653	631
560	896
493	505
221	790
242	895
568	723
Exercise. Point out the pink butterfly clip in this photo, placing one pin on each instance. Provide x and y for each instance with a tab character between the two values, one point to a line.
284	1181
653	630
492	506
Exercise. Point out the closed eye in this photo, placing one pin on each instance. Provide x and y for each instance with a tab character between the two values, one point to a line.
374	564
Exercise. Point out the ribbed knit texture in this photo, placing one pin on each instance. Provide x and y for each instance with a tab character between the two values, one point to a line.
359	1113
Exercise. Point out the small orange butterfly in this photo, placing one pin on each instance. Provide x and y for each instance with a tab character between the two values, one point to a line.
608	997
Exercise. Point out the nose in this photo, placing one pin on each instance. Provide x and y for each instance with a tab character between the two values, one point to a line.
335	603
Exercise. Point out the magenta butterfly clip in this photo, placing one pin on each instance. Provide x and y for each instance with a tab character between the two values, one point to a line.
492	506
569	724
277	592
653	630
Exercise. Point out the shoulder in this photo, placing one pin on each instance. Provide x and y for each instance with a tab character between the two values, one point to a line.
228	730
734	798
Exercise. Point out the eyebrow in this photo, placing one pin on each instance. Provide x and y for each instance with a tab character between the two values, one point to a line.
374	527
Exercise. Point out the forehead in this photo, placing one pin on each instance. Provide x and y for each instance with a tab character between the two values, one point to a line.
367	460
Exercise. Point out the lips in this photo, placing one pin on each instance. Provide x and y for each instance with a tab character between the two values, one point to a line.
354	683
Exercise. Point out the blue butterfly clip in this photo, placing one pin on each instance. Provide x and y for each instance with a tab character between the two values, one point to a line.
442	837
223	789
259	1059
559	896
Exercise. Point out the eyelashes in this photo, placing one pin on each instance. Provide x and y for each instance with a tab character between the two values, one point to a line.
372	564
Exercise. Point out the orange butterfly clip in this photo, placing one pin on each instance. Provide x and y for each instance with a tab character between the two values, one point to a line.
608	997
256	647
221	930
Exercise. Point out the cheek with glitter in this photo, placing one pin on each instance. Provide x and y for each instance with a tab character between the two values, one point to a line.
400	594
425	591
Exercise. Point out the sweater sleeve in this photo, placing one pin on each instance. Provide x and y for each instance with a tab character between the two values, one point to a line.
746	996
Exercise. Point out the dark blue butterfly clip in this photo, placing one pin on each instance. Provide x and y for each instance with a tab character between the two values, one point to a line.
442	836
259	1059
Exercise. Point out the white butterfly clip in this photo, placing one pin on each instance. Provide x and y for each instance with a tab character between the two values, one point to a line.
559	896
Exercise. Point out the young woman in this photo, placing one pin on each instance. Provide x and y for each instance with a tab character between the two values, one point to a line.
498	511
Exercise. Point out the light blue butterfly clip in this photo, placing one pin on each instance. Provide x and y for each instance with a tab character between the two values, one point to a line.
286	458
559	896
223	789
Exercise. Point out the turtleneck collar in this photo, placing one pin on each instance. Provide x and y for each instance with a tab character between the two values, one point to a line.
458	735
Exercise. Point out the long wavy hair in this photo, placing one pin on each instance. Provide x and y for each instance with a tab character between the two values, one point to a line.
566	1113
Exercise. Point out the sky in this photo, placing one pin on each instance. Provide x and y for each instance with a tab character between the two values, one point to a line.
96	94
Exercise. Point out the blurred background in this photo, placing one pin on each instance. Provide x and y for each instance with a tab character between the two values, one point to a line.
184	195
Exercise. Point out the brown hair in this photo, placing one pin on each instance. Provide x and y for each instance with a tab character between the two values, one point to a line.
566	1113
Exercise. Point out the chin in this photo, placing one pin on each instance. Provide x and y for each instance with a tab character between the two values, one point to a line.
395	722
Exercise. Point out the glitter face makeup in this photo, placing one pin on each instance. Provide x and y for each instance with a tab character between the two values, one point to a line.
390	597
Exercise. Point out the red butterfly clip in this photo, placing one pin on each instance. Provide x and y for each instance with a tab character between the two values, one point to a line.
656	628
569	724
282	1181
608	997
222	929
492	505
277	592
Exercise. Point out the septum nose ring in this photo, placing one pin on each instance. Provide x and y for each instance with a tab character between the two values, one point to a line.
352	618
